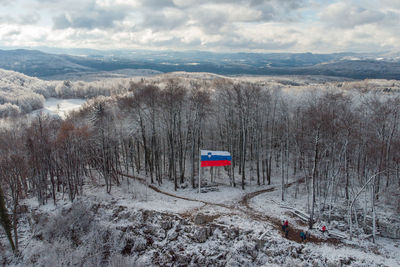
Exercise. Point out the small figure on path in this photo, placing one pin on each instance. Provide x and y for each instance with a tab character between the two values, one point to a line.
323	229
285	228
303	236
285	225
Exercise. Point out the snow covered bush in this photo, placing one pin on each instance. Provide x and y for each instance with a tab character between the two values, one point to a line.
73	237
70	224
9	110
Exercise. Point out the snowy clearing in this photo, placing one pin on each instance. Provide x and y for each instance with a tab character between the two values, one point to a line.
61	107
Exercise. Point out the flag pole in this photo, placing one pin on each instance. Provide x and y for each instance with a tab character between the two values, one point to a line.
199	168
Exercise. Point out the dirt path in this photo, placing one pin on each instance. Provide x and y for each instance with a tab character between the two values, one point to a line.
294	233
143	181
244	208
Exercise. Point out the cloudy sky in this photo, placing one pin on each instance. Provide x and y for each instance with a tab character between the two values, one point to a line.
219	25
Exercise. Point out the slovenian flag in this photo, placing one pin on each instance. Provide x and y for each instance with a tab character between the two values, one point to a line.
215	158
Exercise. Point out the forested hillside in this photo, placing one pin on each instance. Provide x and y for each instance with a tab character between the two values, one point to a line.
335	139
21	94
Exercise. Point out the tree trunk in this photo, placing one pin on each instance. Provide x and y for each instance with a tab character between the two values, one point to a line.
5	220
314	178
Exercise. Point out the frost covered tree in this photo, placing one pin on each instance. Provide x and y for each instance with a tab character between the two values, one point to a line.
106	146
172	103
5	220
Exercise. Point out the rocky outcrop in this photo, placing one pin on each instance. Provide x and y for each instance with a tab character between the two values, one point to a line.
105	234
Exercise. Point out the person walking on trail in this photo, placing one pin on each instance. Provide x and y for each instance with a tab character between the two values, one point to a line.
285	228
324	231
285	225
303	236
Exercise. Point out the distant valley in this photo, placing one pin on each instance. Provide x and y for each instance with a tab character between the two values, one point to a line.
86	64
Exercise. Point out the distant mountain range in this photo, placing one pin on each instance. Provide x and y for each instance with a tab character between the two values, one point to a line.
76	63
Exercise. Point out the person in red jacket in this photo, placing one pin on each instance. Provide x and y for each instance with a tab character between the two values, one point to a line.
323	230
285	228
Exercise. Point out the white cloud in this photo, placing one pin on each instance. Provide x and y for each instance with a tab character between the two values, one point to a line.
347	15
226	25
395	4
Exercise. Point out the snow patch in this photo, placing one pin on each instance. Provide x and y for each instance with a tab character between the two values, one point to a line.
60	107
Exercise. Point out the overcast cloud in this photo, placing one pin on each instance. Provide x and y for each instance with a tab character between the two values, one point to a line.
219	25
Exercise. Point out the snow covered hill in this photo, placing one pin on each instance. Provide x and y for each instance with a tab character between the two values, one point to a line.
21	94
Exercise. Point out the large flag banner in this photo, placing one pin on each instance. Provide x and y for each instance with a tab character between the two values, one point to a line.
215	158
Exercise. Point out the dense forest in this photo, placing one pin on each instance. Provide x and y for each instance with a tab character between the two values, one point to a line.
335	141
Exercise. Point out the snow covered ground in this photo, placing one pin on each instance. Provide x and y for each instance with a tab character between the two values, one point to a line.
257	240
384	252
60	107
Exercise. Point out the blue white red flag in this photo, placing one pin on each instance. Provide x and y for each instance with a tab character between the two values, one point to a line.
215	158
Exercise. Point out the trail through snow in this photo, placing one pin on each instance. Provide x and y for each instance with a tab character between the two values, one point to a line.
243	207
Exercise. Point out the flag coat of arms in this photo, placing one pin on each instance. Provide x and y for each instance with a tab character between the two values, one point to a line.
211	158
